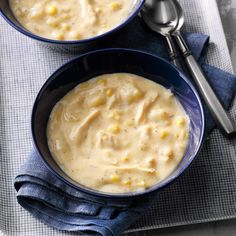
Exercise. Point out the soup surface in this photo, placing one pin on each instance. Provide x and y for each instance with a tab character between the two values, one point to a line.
70	19
118	133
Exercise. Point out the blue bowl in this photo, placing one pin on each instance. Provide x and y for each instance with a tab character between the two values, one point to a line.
106	61
7	14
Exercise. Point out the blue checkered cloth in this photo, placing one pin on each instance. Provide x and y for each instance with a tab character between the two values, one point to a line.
64	208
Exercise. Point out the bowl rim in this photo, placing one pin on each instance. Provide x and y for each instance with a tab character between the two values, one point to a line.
72	42
128	195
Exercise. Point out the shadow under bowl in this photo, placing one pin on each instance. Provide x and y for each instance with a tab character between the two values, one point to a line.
117	60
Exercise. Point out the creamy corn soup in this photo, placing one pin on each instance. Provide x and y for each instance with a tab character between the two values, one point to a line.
70	19
118	133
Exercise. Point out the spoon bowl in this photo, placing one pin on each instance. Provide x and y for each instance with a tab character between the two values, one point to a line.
156	15
159	17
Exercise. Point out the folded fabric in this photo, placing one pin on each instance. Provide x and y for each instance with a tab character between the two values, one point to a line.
64	208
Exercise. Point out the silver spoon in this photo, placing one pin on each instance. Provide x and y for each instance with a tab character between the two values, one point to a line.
161	16
156	15
217	110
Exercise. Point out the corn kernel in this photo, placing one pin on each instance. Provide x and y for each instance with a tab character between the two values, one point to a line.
141	184
132	98
114	115
164	134
138	94
125	158
180	121
109	92
114	129
65	26
115	6
52	22
127	182
58	35
51	10
130	122
75	35
115	178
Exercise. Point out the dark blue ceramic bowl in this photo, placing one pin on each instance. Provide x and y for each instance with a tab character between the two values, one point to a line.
7	14
111	61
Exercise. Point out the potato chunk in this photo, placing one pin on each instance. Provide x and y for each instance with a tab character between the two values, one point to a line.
129	93
96	100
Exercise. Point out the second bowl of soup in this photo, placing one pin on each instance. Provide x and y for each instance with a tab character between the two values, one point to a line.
64	24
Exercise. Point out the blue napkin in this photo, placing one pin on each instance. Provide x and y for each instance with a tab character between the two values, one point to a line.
62	207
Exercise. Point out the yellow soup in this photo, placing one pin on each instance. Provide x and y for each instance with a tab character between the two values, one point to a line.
70	19
118	133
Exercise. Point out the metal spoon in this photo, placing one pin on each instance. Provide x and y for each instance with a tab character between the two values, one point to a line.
155	14
217	110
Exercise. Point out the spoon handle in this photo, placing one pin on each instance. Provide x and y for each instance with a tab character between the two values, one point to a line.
217	110
172	52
